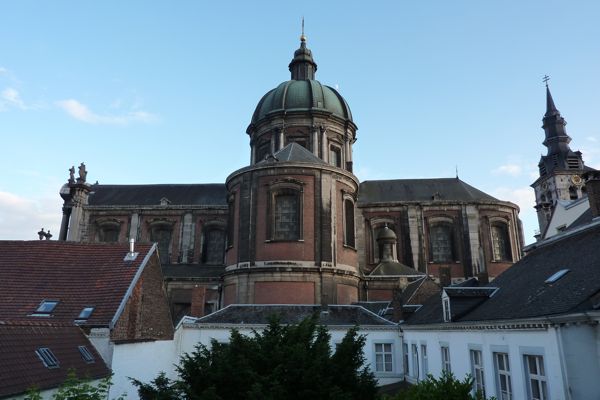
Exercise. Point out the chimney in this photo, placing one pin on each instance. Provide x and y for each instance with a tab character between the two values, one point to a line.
592	185
397	314
445	276
131	255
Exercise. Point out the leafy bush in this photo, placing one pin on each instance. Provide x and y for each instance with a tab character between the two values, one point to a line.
446	387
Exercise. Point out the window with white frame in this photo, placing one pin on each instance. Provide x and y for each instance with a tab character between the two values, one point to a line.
405	358
424	366
446	366
537	383
477	371
415	360
446	308
384	357
503	381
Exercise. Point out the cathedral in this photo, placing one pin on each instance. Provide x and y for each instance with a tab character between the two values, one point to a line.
296	226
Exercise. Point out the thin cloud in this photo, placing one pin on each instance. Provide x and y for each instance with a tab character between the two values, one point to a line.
11	97
81	112
21	218
508	169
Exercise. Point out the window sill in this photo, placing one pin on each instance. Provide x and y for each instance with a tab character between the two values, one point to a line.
284	241
347	246
444	262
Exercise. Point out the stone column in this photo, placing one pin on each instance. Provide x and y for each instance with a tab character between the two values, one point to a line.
187	238
135	224
281	138
324	145
252	154
315	139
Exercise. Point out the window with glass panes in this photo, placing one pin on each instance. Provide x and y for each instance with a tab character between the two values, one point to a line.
501	242
415	360
424	366
446	366
537	383
384	357
286	216
477	371
503	381
441	243
405	351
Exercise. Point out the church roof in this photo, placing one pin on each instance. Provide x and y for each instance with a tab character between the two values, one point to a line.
393	268
209	194
293	152
258	314
443	189
74	275
533	287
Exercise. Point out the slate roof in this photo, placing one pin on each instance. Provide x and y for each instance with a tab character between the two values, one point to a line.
209	194
255	314
20	366
522	292
78	275
443	189
393	268
293	152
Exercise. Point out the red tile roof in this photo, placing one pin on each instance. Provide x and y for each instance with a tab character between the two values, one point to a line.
20	366
78	275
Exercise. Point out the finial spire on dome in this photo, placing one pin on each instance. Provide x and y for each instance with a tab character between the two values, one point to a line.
303	67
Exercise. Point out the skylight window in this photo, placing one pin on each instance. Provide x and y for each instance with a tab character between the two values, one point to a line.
85	313
46	307
47	357
556	276
87	356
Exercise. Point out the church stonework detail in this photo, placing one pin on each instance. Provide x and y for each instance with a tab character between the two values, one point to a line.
296	226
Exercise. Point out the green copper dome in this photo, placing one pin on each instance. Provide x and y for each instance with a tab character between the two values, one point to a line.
302	95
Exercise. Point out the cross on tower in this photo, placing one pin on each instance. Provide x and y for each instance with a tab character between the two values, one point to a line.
546	78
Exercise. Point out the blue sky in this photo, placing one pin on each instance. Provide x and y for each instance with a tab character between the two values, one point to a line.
162	92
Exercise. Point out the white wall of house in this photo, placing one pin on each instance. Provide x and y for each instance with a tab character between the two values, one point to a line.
142	361
188	335
580	346
565	213
517	343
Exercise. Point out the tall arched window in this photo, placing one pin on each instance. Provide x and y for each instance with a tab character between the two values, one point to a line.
213	249
286	216
161	234
349	236
108	230
441	242
501	250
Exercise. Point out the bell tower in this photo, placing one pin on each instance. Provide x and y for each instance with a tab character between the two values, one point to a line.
560	169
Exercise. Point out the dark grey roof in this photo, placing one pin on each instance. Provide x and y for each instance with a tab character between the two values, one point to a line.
293	152
444	189
583	219
393	268
522	291
209	194
293	314
192	271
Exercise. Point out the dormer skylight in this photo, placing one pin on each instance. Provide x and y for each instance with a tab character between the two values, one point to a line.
85	313
45	308
47	357
556	276
87	356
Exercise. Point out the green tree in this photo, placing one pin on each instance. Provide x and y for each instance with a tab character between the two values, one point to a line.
446	387
75	388
281	362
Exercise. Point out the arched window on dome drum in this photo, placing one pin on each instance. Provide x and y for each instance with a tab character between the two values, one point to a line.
335	156
285	214
501	248
441	243
349	235
108	230
213	249
162	235
263	150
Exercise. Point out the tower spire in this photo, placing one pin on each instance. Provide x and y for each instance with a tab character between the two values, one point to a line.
303	67
550	107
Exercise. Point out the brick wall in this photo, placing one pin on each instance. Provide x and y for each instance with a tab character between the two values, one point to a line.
284	293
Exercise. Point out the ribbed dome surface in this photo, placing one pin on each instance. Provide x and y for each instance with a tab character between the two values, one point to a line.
302	95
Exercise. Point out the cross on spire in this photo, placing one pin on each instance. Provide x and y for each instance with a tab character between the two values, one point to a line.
546	78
